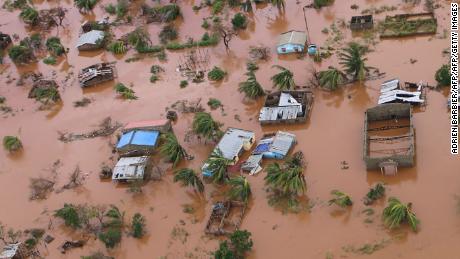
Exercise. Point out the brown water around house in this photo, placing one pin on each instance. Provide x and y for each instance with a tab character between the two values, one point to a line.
332	134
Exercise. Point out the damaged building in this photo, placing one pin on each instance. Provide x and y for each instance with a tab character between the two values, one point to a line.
225	218
130	168
271	146
231	145
363	22
389	138
91	40
392	91
96	74
286	107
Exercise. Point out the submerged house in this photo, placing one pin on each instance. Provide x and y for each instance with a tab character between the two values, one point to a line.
271	146
14	251
392	92
389	137
231	145
162	126
95	25
291	42
138	142
286	107
96	74
90	40
362	22
130	168
225	218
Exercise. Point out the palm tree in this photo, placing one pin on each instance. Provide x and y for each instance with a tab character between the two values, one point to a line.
204	125
85	5
352	60
188	177
280	4
251	88
331	78
29	15
217	164
284	80
396	213
340	198
241	190
288	180
171	148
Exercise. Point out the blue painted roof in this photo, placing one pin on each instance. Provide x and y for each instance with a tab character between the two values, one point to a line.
139	137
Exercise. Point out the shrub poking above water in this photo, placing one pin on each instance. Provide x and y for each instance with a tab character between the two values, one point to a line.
341	199
442	75
239	21
216	74
12	143
125	92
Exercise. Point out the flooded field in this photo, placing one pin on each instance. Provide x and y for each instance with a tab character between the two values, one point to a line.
332	134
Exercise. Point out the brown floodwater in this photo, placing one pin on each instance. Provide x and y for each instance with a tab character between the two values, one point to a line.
333	133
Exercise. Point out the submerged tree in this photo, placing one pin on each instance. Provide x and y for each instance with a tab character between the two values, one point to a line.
21	54
117	47
375	193
289	180
171	148
353	61
284	80
240	244
280	4
112	232
240	189
85	5
396	213
443	76
331	78
251	88
54	45
188	177
138	226
12	143
217	164
29	15
69	213
205	126
125	92
341	199
224	251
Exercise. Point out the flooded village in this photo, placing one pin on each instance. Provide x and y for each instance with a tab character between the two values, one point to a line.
226	129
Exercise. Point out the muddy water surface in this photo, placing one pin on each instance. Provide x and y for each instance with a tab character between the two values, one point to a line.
332	134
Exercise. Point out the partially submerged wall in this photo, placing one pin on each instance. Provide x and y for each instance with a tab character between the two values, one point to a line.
389	112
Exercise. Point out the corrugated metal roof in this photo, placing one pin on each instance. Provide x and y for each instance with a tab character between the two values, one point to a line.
282	143
389	85
292	37
90	37
288	108
279	113
139	137
233	140
401	96
146	124
9	251
130	168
